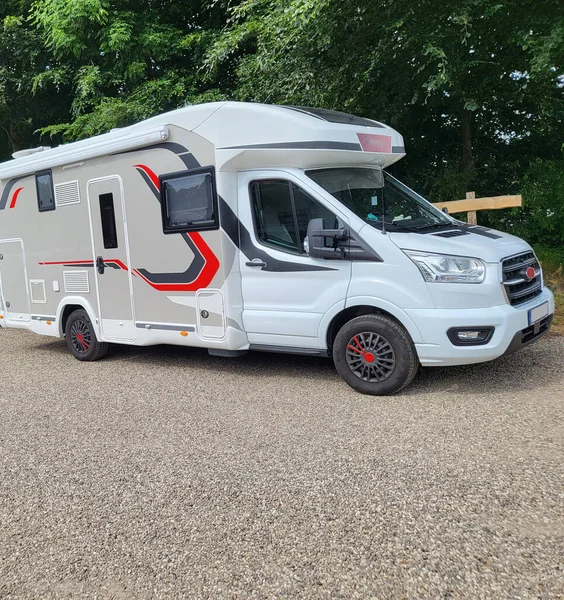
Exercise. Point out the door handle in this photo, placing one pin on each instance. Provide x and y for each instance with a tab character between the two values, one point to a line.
100	265
256	262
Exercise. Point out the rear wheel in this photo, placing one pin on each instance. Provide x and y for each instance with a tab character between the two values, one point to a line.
375	355
81	338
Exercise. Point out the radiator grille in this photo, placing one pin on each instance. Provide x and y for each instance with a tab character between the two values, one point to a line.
67	193
518	287
76	282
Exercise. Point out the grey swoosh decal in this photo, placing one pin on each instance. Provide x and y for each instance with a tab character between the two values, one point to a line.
241	237
7	190
300	146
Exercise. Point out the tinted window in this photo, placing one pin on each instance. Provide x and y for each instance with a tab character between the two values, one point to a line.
282	213
334	116
108	217
274	216
189	202
45	194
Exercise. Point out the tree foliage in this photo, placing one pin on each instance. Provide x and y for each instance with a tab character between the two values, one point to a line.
475	86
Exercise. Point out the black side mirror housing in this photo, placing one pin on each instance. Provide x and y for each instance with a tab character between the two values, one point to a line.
316	236
445	210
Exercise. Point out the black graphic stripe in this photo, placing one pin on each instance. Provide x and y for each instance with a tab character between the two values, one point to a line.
314	145
7	190
241	237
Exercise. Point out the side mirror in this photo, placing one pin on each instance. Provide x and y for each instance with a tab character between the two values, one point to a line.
445	210
315	244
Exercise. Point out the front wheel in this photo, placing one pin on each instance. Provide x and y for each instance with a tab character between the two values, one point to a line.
81	338
375	355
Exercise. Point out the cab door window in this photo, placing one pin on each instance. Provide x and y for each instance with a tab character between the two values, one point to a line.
282	212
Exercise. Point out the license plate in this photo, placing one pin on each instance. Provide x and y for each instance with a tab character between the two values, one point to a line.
538	313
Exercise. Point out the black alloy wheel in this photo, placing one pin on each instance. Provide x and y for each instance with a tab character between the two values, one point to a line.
81	338
375	355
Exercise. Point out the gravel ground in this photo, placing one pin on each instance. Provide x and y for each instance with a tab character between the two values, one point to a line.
166	473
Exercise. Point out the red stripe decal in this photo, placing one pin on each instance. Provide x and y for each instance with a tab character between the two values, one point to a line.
151	174
68	262
15	197
208	272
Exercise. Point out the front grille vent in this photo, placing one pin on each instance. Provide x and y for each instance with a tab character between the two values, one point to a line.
518	287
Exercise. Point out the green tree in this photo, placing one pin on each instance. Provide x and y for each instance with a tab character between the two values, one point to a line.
23	56
475	86
127	60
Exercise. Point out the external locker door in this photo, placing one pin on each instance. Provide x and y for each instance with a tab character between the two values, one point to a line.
13	281
211	319
111	258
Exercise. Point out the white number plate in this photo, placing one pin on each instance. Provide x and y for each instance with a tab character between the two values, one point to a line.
538	313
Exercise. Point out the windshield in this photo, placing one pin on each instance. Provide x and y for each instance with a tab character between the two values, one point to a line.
376	196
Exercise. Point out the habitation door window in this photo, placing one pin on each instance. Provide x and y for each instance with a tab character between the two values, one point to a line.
45	192
189	201
108	218
282	212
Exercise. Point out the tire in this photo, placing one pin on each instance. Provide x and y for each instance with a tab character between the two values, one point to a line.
375	355
81	338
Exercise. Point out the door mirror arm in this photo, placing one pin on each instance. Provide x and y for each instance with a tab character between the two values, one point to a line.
316	236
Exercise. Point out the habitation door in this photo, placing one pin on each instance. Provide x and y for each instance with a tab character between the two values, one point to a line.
110	248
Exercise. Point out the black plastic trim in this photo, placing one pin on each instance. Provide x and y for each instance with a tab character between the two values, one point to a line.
456	341
189	328
289	350
524	338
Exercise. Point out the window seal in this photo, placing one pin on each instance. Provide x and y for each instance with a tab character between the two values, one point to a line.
48	172
215	204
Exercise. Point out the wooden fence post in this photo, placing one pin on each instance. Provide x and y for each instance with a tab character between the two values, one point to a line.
472	215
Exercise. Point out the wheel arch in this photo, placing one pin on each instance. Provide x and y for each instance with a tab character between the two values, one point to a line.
68	305
355	307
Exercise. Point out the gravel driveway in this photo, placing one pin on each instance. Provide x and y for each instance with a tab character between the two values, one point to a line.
166	473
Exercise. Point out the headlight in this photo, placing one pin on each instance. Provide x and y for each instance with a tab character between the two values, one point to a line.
442	268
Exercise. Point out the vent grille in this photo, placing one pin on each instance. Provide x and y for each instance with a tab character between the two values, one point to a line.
67	193
451	234
518	286
76	282
37	287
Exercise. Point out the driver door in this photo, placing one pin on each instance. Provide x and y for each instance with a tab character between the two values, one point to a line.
286	293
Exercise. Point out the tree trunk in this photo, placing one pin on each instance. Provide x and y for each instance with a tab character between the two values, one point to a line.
466	132
13	136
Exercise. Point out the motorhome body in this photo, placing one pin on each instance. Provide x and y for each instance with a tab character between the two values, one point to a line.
234	227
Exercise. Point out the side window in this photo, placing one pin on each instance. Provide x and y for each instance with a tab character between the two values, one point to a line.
189	201
108	217
274	216
45	192
282	212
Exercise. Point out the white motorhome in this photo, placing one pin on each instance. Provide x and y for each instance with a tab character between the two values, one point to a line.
235	227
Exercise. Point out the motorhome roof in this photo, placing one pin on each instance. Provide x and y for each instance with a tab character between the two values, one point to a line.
234	128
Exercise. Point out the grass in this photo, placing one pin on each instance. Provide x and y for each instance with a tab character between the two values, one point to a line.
552	261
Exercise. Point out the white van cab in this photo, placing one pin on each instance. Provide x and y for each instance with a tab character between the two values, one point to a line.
235	227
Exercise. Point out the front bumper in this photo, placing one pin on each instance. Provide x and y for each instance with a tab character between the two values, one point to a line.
512	331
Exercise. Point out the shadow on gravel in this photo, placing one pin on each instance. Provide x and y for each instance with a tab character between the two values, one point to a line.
527	369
